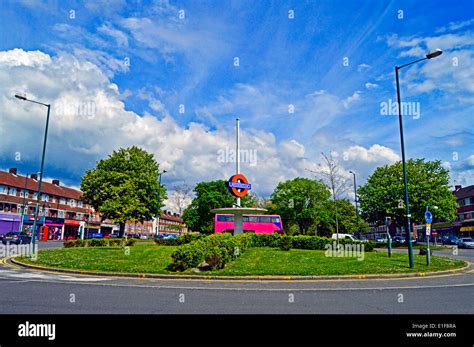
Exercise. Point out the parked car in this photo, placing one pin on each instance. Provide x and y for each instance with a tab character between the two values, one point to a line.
16	237
450	240
111	236
380	239
96	236
399	239
466	242
343	236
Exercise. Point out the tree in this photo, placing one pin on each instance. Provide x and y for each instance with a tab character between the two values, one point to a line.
181	197
300	201
125	187
208	196
347	218
330	174
428	185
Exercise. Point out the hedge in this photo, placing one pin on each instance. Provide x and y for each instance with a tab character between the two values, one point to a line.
99	243
181	240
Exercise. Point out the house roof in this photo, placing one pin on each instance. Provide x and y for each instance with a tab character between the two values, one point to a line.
464	192
18	181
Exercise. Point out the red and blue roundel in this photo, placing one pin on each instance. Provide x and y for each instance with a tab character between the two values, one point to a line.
238	185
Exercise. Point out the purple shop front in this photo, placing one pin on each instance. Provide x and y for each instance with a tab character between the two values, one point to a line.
9	222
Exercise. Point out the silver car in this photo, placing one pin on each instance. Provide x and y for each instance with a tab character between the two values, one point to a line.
466	242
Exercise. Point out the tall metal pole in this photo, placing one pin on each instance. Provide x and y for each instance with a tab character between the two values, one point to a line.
237	147
405	179
41	178
356	205
24	203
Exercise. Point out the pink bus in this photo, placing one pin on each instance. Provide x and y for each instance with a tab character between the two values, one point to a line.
260	224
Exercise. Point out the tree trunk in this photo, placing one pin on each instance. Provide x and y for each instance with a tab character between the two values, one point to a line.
122	229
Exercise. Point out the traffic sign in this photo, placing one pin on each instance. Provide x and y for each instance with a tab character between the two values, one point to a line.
428	229
428	217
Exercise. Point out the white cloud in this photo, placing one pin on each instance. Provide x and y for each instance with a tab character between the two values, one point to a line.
120	37
370	86
18	57
375	154
351	99
89	121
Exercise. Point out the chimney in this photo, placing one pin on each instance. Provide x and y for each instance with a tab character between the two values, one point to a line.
12	171
34	176
56	182
457	187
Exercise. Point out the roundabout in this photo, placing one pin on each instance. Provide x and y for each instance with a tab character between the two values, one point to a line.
39	291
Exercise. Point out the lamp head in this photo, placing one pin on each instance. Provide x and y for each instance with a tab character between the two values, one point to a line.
433	54
21	97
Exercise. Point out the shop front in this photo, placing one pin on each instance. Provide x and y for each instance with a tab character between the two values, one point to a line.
90	229
9	222
71	229
28	221
53	228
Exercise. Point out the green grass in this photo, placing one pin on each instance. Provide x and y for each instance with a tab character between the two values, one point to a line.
267	261
145	258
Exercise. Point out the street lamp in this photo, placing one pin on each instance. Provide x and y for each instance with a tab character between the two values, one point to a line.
24	98
356	200
430	55
159	212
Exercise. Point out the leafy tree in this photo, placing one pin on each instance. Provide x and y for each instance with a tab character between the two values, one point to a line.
428	185
300	201
208	196
125	187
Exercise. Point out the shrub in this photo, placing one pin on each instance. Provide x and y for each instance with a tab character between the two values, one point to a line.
188	256
423	251
181	240
69	243
310	242
115	242
265	240
98	242
285	243
129	242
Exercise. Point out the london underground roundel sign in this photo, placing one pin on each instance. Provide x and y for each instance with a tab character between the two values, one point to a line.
238	185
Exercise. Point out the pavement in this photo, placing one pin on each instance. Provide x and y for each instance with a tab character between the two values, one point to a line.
26	291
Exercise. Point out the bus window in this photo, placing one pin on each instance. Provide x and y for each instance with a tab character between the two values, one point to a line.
275	220
264	219
253	219
246	219
221	218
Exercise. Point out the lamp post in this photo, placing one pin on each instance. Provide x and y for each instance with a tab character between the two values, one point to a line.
356	201
48	106
159	212
430	55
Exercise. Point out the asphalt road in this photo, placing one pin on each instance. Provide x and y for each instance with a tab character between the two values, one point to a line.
27	291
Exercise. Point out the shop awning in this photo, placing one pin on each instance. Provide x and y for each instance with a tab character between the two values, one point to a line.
463	229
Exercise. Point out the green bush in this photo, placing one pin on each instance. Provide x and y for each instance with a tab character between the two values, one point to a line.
115	242
69	243
98	242
181	240
129	242
265	240
188	256
285	243
310	242
423	251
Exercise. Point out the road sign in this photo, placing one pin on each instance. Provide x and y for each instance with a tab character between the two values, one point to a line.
238	185
428	229
428	217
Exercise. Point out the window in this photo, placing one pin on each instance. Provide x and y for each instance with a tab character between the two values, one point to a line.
275	220
72	202
221	218
53	198
44	197
62	201
24	193
12	191
35	195
79	216
61	214
79	203
3	190
264	219
467	201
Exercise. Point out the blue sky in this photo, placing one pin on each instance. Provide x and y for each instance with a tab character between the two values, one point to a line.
136	62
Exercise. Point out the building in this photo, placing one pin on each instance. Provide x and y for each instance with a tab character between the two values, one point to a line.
170	223
465	200
62	214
